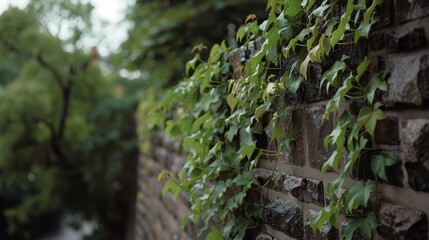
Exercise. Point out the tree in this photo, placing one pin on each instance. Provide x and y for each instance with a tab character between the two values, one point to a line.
65	138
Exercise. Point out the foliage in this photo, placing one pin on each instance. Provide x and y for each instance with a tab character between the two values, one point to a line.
222	119
64	136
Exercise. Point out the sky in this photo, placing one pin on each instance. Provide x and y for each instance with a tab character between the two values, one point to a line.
111	11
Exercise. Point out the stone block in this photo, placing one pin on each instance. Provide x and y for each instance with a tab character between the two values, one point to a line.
237	58
328	232
316	132
415	137
306	190
408	81
263	236
406	11
418	176
387	131
297	146
285	217
384	13
399	222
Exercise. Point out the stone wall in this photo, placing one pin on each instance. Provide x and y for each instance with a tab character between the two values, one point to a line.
399	43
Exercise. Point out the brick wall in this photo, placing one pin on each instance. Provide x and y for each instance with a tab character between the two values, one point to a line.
400	45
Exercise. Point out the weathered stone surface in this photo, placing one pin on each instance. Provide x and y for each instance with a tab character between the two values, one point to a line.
410	40
285	217
306	190
297	146
328	232
263	236
316	132
418	176
387	131
423	78
403	87
399	222
292	182
384	13
405	10
415	137
236	58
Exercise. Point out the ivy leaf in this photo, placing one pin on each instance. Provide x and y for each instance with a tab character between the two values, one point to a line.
250	17
293	8
380	162
214	234
364	224
199	47
333	75
320	11
338	34
240	34
369	116
334	187
362	68
259	111
248	150
232	101
333	160
172	186
304	66
375	83
293	83
358	194
191	64
327	214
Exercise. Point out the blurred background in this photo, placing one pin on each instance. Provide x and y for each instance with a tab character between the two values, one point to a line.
77	79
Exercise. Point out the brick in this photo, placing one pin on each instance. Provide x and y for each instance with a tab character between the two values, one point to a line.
306	190
387	131
415	137
403	81
263	236
406	11
316	132
285	217
399	222
418	176
328	231
297	146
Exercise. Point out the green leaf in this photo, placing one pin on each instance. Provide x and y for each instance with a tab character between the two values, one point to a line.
293	82
333	160
362	68
232	101
293	8
338	34
369	116
375	83
365	225
380	162
358	194
214	234
240	34
172	186
199	121
304	66
333	75
260	110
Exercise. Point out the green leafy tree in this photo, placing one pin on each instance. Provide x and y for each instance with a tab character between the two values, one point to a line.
66	140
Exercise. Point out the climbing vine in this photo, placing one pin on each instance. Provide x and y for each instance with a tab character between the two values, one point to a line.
223	120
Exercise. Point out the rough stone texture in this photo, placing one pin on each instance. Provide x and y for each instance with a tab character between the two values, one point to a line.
418	176
403	81
316	132
423	78
406	11
297	146
285	217
387	131
263	236
399	222
328	232
415	135
306	190
237	58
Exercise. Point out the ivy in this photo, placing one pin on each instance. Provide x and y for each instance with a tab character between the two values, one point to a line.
220	117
